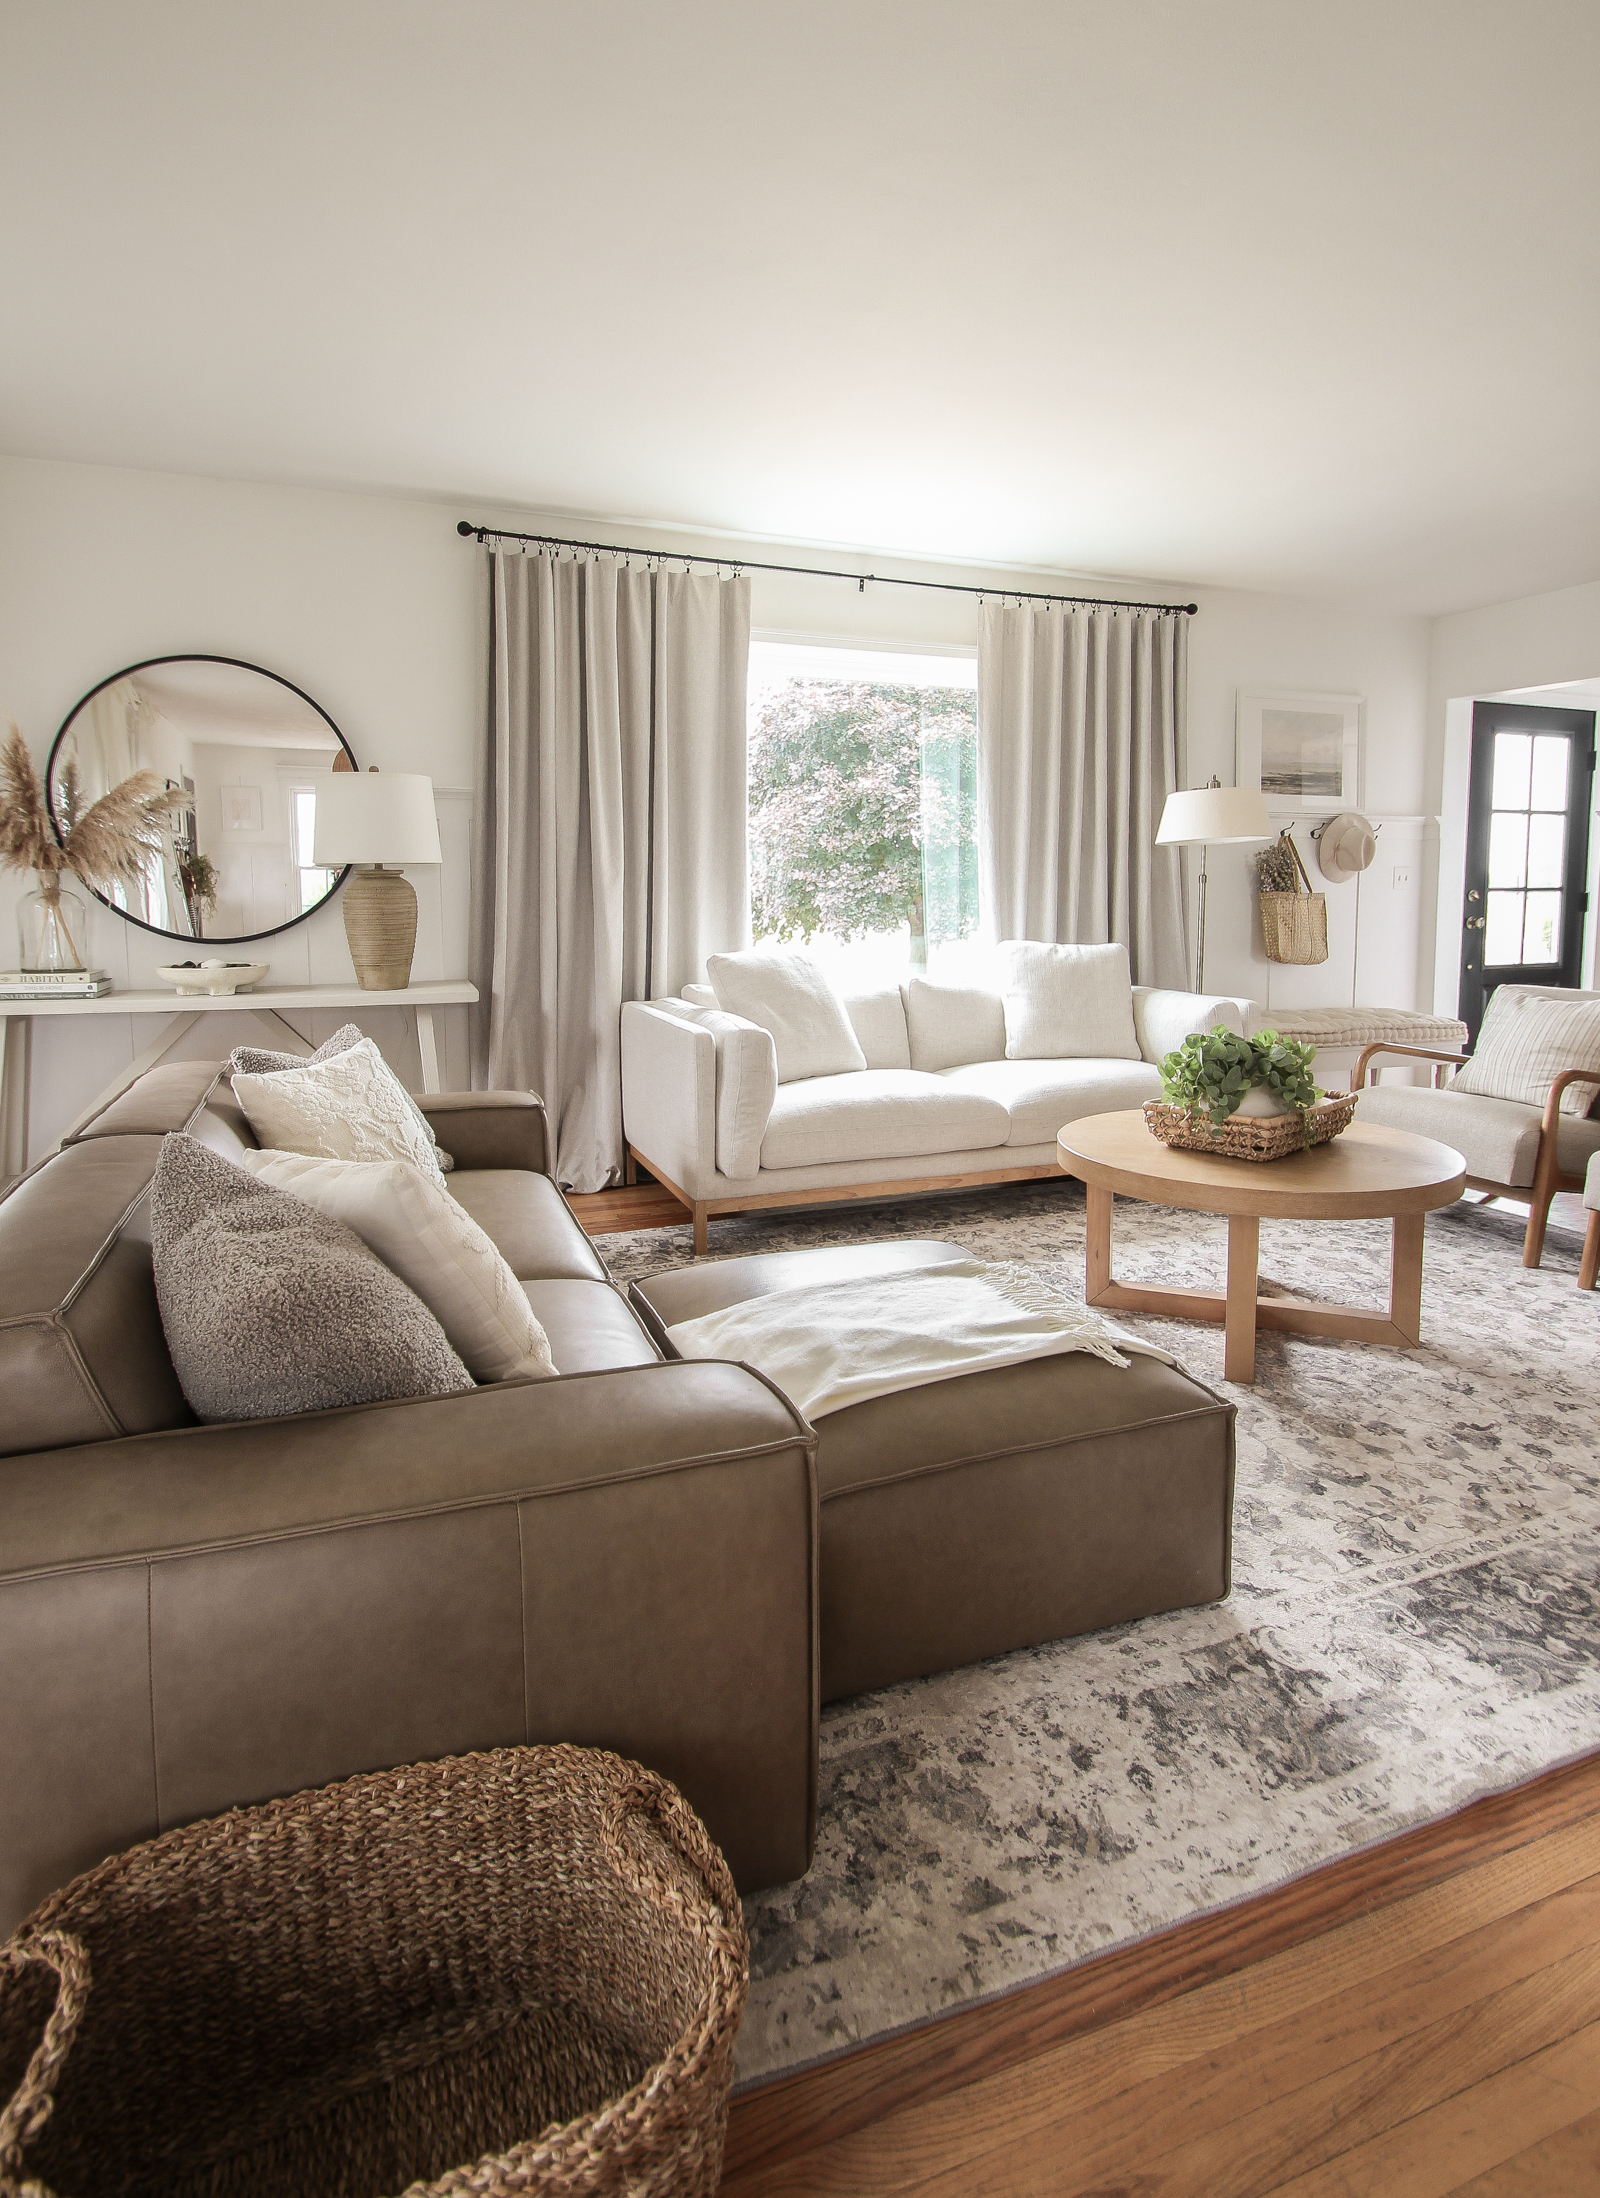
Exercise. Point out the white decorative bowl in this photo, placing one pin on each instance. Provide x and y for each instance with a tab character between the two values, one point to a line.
224	977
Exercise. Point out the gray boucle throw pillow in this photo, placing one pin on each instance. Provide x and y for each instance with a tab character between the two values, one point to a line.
261	1061
271	1307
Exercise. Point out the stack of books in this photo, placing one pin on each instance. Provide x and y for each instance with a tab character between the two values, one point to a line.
53	984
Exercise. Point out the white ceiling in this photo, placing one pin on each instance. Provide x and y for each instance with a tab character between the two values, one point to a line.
1272	295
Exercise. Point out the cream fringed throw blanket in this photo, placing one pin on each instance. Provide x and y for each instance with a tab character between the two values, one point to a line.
838	1343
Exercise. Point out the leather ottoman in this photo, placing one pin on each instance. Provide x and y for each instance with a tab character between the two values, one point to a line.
993	1510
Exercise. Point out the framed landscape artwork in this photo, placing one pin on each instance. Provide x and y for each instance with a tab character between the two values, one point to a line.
1302	750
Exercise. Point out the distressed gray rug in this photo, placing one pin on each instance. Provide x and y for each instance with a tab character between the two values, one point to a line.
1415	1621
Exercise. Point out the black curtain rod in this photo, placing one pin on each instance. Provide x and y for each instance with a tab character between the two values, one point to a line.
468	527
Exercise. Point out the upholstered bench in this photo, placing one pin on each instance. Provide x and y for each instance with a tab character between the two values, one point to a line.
996	1509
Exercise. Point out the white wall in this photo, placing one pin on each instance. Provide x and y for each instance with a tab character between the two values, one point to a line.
369	603
1536	641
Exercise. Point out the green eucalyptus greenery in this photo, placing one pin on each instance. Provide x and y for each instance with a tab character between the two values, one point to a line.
1212	1070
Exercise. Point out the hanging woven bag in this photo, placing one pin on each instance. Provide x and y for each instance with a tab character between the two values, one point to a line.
1294	925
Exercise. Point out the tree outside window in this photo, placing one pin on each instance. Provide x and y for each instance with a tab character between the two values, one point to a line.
863	813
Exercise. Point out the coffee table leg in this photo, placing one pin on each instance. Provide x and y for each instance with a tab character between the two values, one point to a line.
1097	1246
1239	1334
1405	1276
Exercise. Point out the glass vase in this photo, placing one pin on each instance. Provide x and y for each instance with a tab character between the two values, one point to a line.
52	925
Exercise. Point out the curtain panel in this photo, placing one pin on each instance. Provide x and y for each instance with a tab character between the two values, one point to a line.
609	848
1082	734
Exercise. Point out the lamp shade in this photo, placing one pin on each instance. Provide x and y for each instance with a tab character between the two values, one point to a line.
1211	815
375	816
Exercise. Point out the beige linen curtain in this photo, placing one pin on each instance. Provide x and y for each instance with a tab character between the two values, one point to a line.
609	826
1082	734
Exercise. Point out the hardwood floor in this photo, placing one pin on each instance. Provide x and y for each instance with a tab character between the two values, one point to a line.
638	1206
1418	2020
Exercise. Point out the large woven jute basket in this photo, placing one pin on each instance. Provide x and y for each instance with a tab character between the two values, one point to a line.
510	1972
1252	1136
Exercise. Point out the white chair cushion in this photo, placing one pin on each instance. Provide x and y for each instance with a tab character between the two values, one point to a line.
1528	1037
789	995
949	1025
877	1114
1040	1096
1065	1003
1497	1138
433	1244
879	1022
349	1107
1591	1184
747	1084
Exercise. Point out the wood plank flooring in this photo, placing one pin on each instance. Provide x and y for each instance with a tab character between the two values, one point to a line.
637	1206
1417	2020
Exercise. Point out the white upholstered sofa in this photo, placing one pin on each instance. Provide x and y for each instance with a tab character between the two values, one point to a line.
933	1104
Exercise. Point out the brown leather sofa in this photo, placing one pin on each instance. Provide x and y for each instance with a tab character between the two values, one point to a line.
193	1617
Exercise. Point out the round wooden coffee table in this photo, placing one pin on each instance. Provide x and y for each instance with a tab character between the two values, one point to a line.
1366	1173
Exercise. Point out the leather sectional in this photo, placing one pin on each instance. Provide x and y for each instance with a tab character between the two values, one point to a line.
193	1617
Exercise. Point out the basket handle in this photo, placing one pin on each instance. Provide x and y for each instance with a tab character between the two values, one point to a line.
29	2106
1299	861
645	1795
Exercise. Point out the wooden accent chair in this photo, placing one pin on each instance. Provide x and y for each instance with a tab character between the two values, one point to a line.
1512	1151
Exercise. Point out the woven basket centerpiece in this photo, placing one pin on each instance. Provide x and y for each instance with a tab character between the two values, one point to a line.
1252	1136
514	1972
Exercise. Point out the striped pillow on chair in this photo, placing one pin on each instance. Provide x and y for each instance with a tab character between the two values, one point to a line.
1528	1037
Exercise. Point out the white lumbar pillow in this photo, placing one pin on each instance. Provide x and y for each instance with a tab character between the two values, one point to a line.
1067	1003
789	995
350	1107
433	1244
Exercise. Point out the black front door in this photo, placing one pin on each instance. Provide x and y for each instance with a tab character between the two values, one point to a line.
1527	850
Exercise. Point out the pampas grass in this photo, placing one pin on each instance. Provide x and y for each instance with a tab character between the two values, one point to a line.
110	844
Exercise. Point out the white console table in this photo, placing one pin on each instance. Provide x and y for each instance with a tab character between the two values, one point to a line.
269	1004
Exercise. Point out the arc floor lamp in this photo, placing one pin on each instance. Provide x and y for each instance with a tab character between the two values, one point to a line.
1212	816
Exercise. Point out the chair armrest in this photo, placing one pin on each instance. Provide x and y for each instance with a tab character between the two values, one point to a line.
1552	1103
1162	1019
491	1129
212	1615
669	1096
1358	1074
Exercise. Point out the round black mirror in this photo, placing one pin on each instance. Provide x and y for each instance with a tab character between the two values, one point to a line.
247	751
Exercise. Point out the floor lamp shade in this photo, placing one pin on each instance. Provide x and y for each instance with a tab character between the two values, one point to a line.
1211	816
371	819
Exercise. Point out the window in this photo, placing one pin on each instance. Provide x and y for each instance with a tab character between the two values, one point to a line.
863	805
315	884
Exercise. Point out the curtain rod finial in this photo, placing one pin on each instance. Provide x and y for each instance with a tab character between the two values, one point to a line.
465	526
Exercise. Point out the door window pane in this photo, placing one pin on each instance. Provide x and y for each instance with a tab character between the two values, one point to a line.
1508	849
1541	934
1551	755
1547	851
1512	760
1503	938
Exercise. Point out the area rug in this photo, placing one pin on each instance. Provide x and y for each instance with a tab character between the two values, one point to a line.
1415	1621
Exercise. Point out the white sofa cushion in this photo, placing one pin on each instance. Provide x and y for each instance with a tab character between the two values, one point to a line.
747	1084
351	1106
789	995
879	1022
1529	1036
1162	1020
878	1114
1039	1096
1065	1003
949	1025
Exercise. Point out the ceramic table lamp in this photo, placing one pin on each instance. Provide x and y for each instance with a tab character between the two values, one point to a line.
382	822
1212	816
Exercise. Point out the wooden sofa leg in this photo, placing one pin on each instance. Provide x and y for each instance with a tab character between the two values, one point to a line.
1589	1264
630	1166
701	1230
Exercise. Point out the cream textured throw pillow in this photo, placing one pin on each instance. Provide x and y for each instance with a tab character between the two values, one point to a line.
1528	1037
258	1061
433	1244
789	995
1067	1003
350	1107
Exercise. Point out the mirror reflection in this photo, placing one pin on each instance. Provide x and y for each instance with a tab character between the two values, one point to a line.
247	752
